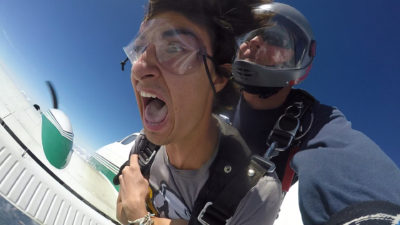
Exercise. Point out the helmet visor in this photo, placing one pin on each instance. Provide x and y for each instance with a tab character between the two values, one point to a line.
177	49
272	46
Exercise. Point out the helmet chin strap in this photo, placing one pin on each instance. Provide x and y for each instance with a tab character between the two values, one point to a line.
262	92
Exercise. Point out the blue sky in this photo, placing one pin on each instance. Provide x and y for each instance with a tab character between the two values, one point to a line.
78	46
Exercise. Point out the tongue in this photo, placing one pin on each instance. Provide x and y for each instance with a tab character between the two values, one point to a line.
155	111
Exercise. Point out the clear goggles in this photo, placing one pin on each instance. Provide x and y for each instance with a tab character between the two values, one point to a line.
178	50
272	46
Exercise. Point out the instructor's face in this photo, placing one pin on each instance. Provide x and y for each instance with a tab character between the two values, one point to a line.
263	53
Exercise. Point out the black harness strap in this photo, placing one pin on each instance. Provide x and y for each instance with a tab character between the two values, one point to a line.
223	169
289	132
288	128
225	204
146	152
233	173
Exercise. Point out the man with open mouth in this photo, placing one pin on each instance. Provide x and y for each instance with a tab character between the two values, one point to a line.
180	75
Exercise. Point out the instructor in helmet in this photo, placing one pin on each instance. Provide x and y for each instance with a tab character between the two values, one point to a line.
314	143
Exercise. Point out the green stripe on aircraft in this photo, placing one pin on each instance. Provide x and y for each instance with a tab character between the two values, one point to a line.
57	148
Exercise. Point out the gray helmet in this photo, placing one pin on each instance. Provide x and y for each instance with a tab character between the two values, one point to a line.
277	54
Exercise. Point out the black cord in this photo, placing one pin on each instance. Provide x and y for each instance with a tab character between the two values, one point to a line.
208	74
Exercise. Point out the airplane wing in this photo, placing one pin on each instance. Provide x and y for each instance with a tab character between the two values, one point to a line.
76	194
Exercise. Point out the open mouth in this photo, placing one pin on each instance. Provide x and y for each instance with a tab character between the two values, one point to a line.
155	109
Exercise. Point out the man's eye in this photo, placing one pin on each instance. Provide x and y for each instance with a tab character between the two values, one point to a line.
175	47
139	48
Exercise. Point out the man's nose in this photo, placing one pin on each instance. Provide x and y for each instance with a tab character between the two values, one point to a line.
146	66
256	42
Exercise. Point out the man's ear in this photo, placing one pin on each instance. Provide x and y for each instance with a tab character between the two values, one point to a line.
225	74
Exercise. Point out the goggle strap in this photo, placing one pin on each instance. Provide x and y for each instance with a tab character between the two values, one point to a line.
123	63
208	73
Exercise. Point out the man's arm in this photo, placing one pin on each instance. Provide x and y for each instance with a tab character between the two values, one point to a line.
340	167
131	204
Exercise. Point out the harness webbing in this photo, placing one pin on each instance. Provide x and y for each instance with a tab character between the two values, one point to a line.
228	183
289	132
146	152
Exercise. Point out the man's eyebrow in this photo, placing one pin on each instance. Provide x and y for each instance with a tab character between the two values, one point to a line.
171	33
174	32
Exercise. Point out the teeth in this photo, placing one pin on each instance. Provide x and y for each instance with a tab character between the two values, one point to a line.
147	95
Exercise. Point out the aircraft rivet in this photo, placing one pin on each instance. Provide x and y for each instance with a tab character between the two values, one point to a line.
227	169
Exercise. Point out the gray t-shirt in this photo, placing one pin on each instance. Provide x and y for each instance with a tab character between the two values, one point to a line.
174	191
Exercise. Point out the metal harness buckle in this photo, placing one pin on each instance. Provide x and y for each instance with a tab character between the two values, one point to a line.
285	129
147	154
202	212
265	163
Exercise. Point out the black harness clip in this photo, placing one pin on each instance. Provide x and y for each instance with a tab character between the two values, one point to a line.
211	215
146	152
285	129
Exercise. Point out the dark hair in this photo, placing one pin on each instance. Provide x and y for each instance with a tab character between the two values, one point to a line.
225	20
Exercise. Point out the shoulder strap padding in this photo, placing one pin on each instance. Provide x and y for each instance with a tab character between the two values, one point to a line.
228	182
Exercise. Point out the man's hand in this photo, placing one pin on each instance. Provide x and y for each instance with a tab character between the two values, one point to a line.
133	191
